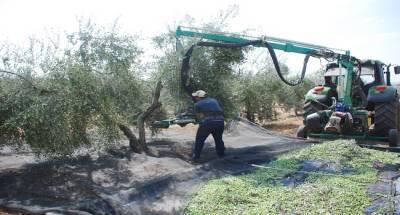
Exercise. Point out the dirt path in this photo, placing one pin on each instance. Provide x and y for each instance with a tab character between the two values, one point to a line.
117	182
287	125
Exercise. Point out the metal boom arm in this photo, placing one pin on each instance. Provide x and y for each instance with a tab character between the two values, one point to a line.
276	43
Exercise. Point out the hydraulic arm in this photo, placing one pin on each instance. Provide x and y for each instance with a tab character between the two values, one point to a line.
229	40
276	43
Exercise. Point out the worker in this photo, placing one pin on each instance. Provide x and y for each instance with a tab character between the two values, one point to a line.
211	121
329	82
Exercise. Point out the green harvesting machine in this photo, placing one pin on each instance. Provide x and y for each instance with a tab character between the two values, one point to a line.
356	101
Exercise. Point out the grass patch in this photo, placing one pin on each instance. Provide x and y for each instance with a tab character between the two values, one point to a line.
262	192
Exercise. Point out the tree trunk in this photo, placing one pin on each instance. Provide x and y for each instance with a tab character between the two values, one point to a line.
296	112
155	104
133	142
249	114
139	145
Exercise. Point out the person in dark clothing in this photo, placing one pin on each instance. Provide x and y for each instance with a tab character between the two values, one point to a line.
329	82
211	121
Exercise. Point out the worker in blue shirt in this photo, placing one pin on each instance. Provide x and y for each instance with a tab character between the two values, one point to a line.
211	121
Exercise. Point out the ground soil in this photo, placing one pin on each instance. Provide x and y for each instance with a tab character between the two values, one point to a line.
285	123
287	126
116	181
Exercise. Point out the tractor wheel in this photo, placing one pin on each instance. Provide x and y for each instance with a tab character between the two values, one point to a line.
310	107
182	124
386	117
393	137
301	131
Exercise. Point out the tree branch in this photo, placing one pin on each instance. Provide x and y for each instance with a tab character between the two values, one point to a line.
19	76
155	104
34	86
133	142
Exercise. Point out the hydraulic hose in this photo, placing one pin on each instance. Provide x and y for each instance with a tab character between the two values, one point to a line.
185	79
278	69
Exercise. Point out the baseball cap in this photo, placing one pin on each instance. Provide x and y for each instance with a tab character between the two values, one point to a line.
199	93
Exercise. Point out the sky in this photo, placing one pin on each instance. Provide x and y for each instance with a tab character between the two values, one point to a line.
369	28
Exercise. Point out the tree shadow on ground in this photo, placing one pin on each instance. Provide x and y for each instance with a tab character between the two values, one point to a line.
71	185
63	184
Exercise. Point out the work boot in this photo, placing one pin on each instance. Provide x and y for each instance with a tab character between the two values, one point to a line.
194	159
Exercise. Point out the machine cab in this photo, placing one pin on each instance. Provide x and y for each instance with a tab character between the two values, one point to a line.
372	75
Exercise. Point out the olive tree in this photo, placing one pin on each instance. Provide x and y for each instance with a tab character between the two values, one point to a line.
211	69
59	98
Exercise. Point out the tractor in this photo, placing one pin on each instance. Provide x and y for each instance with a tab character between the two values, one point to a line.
358	104
356	101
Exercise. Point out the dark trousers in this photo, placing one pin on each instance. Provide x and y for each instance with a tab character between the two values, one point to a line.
216	129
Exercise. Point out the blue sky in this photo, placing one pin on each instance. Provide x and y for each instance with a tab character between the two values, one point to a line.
369	28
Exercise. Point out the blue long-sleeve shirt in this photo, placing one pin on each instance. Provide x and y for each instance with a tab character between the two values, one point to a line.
208	106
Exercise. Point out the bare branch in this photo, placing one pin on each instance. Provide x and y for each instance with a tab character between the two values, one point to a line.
34	86
19	76
155	104
133	142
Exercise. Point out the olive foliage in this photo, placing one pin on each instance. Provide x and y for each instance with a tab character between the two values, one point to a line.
211	69
93	82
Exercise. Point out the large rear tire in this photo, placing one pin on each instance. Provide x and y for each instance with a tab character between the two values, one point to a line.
310	107
301	132
386	117
393	137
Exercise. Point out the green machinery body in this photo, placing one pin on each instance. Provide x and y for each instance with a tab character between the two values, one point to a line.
342	58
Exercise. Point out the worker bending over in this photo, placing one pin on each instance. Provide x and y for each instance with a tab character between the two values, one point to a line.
211	121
